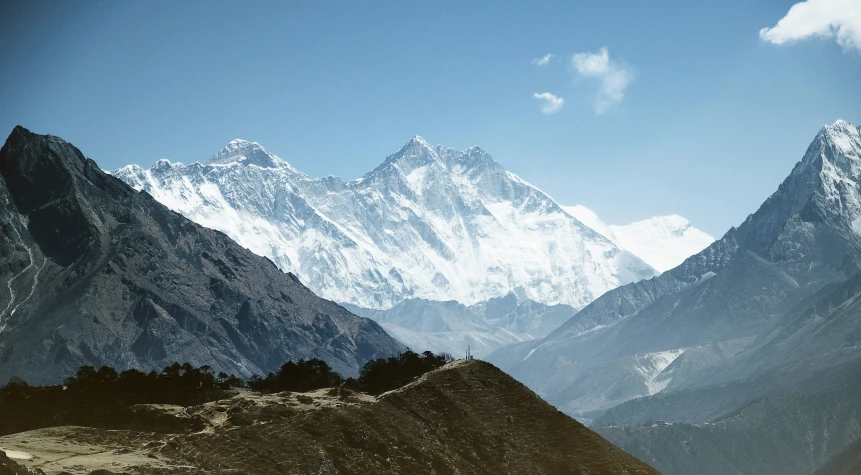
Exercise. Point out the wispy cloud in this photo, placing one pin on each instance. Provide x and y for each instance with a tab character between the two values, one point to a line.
552	103
613	77
543	61
840	19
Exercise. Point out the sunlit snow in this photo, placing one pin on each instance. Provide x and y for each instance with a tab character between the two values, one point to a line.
430	222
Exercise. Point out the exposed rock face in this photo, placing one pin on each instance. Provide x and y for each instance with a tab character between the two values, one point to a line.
93	272
467	417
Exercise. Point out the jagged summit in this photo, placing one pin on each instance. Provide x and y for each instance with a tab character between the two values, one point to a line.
472	155
246	153
841	124
165	164
843	135
416	146
418	153
839	143
420	141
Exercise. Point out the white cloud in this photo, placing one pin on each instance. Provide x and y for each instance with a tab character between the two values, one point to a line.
840	19
543	61
613	77
552	103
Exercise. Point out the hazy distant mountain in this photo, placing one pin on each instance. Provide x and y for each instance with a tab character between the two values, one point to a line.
784	435
94	272
431	222
663	242
452	327
767	310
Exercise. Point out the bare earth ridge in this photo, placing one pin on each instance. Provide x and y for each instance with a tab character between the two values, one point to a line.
467	417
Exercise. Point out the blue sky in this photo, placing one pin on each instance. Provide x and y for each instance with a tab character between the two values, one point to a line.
711	116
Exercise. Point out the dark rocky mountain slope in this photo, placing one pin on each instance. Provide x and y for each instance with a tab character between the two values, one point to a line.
93	272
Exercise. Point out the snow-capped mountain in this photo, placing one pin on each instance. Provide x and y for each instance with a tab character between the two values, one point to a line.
430	222
663	242
769	309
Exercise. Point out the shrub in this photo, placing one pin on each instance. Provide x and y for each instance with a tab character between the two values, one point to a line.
381	375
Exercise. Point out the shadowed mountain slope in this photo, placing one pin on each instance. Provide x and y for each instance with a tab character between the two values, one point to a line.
94	272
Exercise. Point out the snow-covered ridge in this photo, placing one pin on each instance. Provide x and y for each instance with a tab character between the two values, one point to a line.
429	222
663	242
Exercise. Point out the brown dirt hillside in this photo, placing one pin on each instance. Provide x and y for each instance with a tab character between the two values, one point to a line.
467	417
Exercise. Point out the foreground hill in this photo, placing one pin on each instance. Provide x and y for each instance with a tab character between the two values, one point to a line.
467	417
93	272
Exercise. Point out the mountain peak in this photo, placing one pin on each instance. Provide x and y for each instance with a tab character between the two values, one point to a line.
246	153
414	154
844	136
476	154
841	124
417	144
419	140
841	134
164	164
